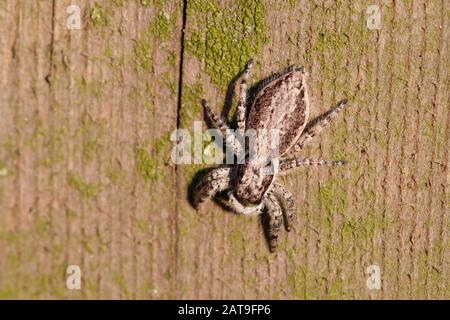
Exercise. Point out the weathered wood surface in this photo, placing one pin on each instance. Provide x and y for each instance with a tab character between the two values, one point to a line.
86	177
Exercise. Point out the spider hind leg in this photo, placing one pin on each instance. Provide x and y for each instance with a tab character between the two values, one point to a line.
272	220
287	204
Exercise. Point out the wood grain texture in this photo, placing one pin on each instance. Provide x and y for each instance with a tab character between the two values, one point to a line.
86	176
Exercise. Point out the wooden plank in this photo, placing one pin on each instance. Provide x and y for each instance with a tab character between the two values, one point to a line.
348	219
86	176
93	189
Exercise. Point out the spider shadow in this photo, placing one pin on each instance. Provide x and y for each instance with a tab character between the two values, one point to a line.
228	103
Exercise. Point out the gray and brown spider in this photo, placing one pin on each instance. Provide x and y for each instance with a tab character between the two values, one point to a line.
280	103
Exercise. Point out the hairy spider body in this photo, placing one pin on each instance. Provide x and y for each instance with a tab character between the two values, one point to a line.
280	105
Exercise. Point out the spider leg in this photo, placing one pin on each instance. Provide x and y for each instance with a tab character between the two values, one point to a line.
226	132
272	220
287	203
212	183
291	164
316	126
241	109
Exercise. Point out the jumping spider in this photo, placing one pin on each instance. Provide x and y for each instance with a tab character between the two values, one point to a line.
281	102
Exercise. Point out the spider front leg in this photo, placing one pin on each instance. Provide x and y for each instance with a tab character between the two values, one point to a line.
272	220
316	126
242	105
212	183
287	165
287	203
230	139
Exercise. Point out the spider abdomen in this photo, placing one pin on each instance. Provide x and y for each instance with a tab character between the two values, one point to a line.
276	119
281	107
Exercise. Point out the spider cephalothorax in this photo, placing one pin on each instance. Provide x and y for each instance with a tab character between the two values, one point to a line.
281	105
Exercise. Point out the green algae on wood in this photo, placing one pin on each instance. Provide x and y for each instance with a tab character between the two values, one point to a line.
192	95
85	189
99	15
163	27
226	38
144	51
332	197
159	30
148	164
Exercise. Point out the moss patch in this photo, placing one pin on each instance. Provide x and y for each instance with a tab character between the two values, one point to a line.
310	284
85	189
226	37
192	108
144	51
332	197
363	228
99	16
327	50
119	3
237	241
160	29
293	3
145	3
3	169
147	164
163	27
